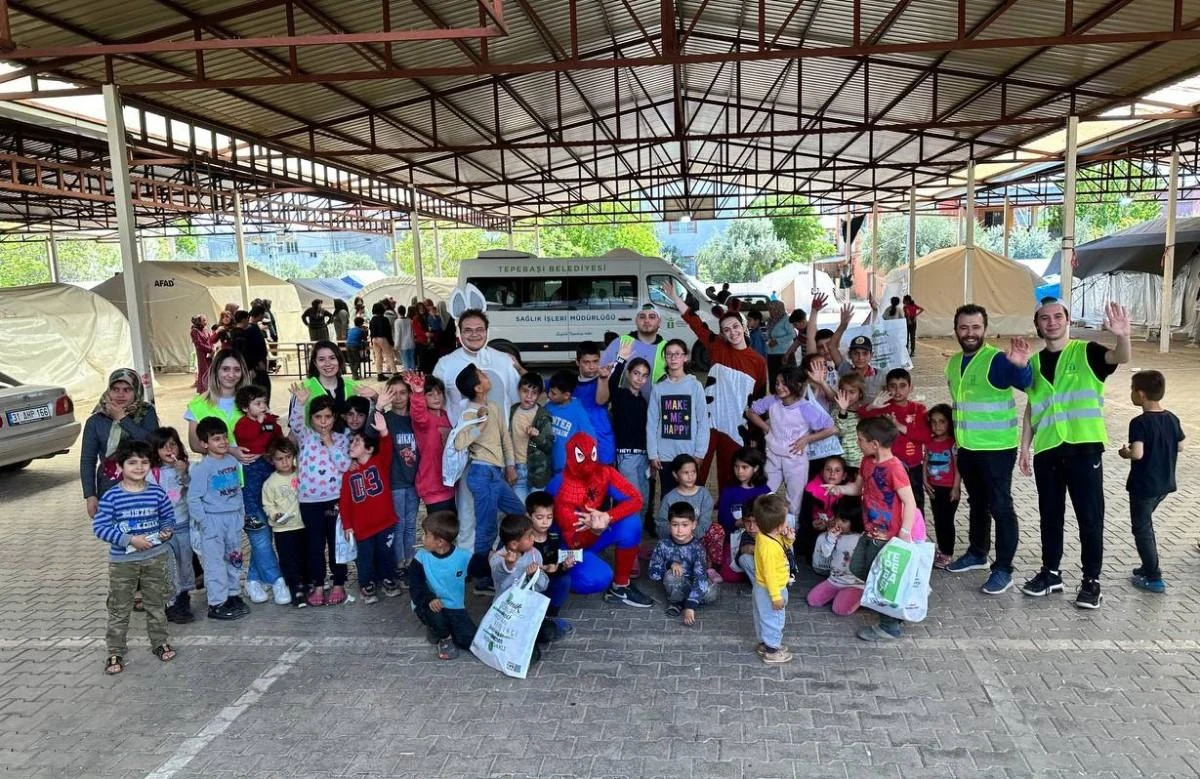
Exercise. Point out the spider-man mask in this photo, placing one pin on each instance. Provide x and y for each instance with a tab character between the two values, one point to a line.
583	463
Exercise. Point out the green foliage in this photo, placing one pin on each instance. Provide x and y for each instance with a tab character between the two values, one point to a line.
1097	219
746	251
804	235
1023	244
23	263
933	232
333	264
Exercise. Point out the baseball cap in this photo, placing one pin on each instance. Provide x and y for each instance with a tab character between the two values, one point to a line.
860	342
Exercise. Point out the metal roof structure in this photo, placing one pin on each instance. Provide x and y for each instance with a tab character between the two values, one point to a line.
511	109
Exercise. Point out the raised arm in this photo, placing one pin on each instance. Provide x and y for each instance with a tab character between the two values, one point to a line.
1116	321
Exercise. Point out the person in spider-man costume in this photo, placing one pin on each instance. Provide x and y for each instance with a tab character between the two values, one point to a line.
580	493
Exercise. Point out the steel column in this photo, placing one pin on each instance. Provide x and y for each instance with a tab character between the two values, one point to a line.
395	251
414	222
1165	318
1006	227
537	238
874	248
1068	213
239	243
437	250
969	229
912	234
135	303
52	254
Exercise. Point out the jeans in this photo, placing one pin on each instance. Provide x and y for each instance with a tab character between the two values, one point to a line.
521	488
405	502
1061	471
376	559
292	546
633	466
354	355
448	623
678	588
124	580
409	358
320	523
1141	514
492	495
255	475
180	573
987	480
768	622
943	518
264	565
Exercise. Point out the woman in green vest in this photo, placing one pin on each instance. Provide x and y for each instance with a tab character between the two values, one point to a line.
326	367
226	375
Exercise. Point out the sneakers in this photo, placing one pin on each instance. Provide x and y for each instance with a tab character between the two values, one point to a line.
180	613
238	604
283	595
369	594
484	587
392	589
224	612
999	582
446	650
968	562
1137	580
629	595
1089	596
564	629
256	591
877	633
674	610
941	561
776	657
1044	583
253	523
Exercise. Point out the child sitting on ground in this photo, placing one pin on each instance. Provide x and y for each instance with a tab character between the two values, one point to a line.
816	510
679	562
834	550
736	502
437	583
135	519
367	513
548	541
215	506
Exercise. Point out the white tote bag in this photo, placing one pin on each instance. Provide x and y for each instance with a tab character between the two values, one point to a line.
510	628
898	584
345	550
454	461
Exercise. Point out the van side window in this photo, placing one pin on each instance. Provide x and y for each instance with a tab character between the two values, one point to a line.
500	293
604	292
546	294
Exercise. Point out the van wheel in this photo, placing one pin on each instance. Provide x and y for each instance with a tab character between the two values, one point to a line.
508	348
13	467
700	359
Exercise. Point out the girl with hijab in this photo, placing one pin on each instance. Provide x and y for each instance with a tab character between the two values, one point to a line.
341	320
121	415
203	342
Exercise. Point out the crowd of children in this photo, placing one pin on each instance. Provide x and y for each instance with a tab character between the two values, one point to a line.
851	473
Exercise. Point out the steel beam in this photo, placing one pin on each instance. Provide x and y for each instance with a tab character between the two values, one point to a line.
1168	271
1067	265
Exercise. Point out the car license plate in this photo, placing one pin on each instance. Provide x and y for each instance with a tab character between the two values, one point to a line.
28	415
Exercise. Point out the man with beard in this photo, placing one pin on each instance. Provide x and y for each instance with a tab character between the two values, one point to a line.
987	431
1064	424
647	344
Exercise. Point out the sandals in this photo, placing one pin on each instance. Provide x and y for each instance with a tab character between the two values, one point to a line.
446	650
137	603
164	652
317	596
114	665
336	596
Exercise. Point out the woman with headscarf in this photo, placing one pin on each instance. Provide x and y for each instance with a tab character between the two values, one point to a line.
122	414
341	320
202	340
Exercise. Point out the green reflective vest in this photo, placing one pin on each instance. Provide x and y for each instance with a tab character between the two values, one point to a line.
201	409
1071	410
659	368
316	389
985	417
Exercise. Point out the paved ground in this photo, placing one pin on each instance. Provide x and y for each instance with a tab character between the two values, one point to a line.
987	687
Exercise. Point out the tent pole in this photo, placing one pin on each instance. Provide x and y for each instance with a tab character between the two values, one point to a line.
395	247
874	247
1007	221
850	248
1164	333
912	234
414	222
512	244
537	238
239	243
52	255
1067	270
135	298
969	230
437	249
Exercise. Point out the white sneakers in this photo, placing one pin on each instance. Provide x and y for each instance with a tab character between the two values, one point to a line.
283	596
256	592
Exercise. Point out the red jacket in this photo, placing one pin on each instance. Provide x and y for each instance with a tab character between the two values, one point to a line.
420	335
257	436
366	500
909	446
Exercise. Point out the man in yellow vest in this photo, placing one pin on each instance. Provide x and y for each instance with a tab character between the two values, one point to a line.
1064	426
987	431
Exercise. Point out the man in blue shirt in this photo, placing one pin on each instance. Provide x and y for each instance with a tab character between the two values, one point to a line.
984	413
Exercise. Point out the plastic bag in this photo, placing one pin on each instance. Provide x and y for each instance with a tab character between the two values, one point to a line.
509	630
345	549
454	461
826	447
735	540
898	583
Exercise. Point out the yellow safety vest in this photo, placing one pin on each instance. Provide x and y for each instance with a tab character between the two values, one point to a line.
985	417
1071	410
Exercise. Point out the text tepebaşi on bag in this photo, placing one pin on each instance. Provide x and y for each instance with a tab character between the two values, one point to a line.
509	629
898	584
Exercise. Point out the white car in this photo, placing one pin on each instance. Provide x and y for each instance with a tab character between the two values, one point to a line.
36	422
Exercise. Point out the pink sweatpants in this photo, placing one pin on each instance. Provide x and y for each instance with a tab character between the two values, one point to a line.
845	599
791	470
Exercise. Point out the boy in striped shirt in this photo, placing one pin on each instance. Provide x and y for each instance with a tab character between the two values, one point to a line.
135	518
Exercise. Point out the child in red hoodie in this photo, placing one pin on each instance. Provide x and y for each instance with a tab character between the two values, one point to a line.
367	512
911	420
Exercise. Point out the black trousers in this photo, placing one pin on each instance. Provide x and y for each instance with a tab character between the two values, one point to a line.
320	524
1141	515
448	623
1064	471
292	548
944	510
987	479
916	475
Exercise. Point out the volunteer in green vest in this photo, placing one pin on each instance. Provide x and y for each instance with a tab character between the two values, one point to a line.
647	344
1064	425
226	375
986	429
326	367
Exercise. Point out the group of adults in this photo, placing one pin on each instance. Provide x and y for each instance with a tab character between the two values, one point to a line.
249	331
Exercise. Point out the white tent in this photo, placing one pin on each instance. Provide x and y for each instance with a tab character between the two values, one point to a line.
1003	286
177	291
404	289
795	284
62	335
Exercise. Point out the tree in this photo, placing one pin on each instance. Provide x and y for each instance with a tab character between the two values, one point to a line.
933	232
598	237
23	263
1095	218
804	235
1028	243
746	251
333	264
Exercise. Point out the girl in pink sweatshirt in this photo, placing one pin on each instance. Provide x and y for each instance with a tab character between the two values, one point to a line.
431	426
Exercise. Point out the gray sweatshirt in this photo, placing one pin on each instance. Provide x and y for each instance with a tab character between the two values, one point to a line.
677	420
702	502
215	487
504	577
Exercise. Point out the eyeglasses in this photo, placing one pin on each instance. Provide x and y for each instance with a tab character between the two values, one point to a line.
674	354
474	331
